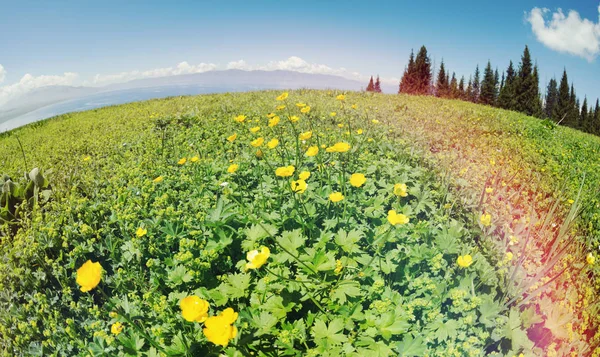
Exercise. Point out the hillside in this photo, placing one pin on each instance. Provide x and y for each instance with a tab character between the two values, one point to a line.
331	224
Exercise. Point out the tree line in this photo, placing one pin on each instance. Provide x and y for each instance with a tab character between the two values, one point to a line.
514	89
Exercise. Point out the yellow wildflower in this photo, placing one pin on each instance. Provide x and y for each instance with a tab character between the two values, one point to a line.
116	328
257	258
304	175
312	151
357	180
486	219
232	168
274	121
140	232
400	189
195	159
272	144
219	329
258	142
231	138
332	114
255	129
305	136
339	147
194	309
299	186
489	190
464	261
283	96
300	105
280	107
87	158
590	259
294	118
158	179
305	110
336	197
89	275
359	131
182	161
397	218
240	118
285	171
375	121
354	106
341	97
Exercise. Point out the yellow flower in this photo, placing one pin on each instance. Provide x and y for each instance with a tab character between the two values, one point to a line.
304	175
285	171
359	131
231	138
336	197
88	275
232	168
338	267
400	190
375	121
256	258
87	158
590	259
140	232
116	328
509	256
271	115
158	179
273	121
397	218
299	186
464	261
305	109
357	180
258	142
259	154
489	190
486	219
240	118
294	118
182	161
332	114
312	151
300	105
339	147
305	136
255	129
354	106
283	96
113	314
341	97
195	159
272	144
280	107
219	329
194	309
571	202
340	125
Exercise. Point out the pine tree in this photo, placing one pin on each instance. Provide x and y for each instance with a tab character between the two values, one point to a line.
422	72
563	103
370	85
488	86
461	88
377	87
506	97
453	87
586	124
526	97
441	88
535	94
475	92
407	81
551	99
596	118
496	87
501	87
469	91
572	118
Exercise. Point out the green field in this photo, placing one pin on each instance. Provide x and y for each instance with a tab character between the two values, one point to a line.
487	251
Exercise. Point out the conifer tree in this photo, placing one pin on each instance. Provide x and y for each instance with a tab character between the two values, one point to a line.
453	87
572	118
506	97
407	81
526	97
469	91
535	94
563	103
496	87
441	88
551	99
501	86
583	117
370	86
475	91
461	88
422	72
596	118
377	87
488	86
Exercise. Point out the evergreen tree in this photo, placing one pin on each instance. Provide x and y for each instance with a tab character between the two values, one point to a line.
572	118
596	118
453	87
475	91
526	91
469	92
370	86
586	124
422	72
496	87
407	81
441	88
535	94
377	87
461	88
506	97
488	86
501	86
563	103
551	99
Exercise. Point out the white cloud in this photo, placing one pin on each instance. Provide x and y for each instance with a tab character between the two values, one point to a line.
570	33
241	64
2	73
29	82
181	68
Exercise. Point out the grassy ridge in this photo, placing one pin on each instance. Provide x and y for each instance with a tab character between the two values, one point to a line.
103	165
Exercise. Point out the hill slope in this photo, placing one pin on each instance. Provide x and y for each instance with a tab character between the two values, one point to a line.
343	275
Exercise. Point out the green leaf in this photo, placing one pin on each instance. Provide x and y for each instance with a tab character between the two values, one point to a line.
330	333
489	310
291	241
264	323
235	286
412	347
256	233
347	240
443	330
344	289
274	305
179	275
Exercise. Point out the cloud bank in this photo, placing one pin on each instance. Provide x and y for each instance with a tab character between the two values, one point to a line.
566	33
181	68
29	83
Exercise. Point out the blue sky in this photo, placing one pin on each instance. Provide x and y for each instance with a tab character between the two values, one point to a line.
369	37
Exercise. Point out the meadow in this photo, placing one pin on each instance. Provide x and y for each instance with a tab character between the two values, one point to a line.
308	223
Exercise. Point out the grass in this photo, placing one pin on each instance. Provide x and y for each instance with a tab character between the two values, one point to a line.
340	278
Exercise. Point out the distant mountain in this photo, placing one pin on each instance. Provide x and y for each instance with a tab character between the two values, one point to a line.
227	80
